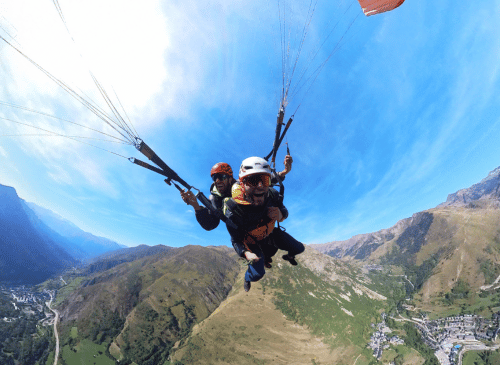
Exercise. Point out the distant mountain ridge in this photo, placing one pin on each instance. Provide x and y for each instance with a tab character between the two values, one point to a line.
36	243
111	259
485	194
80	244
456	242
361	246
487	191
27	255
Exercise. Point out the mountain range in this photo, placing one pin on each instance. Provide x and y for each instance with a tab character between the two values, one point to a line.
187	306
26	255
483	195
80	244
458	241
36	244
164	305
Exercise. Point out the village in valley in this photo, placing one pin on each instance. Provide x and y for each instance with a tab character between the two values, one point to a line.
28	303
449	337
381	340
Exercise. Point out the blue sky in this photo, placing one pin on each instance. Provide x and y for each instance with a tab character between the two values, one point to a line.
404	113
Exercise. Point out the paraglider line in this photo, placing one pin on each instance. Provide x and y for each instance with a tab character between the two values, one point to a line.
61	119
318	70
93	108
62	135
123	109
305	30
120	122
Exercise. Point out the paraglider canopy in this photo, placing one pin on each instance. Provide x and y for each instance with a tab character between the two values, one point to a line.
372	7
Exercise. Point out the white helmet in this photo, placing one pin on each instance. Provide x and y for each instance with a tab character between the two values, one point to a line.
254	165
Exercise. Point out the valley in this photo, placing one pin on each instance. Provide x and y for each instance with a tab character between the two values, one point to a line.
26	324
424	291
324	310
28	302
451	337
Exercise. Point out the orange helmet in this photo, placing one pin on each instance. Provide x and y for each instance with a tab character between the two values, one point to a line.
221	168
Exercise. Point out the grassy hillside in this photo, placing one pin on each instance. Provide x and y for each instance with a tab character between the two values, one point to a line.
454	249
188	306
249	329
319	312
141	308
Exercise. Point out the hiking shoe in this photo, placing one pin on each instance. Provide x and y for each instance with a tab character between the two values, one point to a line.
290	259
267	263
247	286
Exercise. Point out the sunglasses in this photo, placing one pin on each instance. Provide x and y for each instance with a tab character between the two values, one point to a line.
254	180
219	176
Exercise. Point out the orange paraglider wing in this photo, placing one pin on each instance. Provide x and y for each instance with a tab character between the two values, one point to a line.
372	7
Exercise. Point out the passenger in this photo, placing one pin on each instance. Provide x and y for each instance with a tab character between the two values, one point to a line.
255	207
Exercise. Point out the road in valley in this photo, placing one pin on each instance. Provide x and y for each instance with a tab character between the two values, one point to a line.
56	334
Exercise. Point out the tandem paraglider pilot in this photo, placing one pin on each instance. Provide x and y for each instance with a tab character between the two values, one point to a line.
222	176
255	207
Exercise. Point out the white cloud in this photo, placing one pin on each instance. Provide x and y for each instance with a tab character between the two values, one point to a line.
60	176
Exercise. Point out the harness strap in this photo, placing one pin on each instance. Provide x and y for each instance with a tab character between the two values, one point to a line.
256	234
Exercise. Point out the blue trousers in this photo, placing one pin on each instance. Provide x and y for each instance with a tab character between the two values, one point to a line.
256	270
276	240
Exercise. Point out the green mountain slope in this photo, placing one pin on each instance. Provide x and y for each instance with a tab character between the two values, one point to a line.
187	306
450	254
141	308
441	248
319	312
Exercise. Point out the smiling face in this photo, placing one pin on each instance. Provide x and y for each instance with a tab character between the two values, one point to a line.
256	188
222	183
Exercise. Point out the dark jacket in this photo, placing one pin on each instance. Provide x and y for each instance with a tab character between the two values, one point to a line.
205	218
254	226
209	221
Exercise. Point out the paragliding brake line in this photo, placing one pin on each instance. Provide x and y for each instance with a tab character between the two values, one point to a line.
172	177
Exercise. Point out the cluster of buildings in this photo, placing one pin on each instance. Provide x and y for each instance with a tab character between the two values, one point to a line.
446	331
446	336
453	356
381	338
27	302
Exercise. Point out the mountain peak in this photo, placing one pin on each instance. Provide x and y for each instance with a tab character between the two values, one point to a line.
8	190
487	191
492	174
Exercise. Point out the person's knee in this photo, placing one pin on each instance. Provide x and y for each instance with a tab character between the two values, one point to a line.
300	248
257	270
259	273
257	276
295	247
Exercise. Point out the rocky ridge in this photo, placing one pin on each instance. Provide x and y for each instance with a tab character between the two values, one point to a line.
485	195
